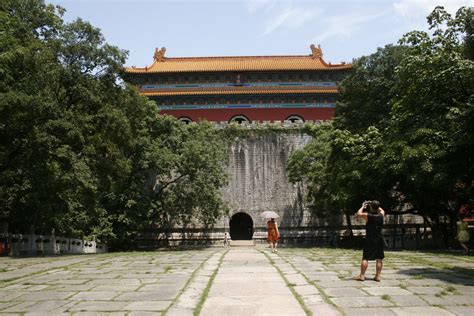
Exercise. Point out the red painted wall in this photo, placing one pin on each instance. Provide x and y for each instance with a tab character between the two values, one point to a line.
218	115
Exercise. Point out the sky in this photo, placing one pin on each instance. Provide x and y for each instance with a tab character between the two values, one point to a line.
345	29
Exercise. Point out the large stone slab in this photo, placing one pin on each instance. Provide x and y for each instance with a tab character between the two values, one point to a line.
323	309
98	306
376	311
312	299
114	288
52	307
180	312
460	299
7	296
69	281
407	300
424	282
6	305
344	292
252	305
296	279
370	301
464	289
163	295
340	284
148	306
45	296
250	289
94	296
436	300
304	290
425	310
462	310
328	278
160	287
433	290
19	307
386	291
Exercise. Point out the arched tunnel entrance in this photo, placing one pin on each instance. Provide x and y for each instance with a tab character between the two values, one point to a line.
241	226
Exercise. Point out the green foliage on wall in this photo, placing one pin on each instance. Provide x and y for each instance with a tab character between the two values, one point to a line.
231	131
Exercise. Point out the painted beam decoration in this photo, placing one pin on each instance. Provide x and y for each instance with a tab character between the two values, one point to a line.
242	88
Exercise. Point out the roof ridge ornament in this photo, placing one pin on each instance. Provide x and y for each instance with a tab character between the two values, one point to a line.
159	54
316	52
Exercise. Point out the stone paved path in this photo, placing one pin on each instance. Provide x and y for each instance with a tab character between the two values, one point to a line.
248	284
236	281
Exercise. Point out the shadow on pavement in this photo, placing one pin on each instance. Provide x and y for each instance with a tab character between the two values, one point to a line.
454	275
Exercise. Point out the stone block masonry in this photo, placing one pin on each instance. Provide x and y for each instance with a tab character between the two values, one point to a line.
258	179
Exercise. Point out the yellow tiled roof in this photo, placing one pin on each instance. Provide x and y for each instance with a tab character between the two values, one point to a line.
265	90
237	63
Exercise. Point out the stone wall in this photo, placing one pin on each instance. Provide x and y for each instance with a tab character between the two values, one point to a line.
258	182
258	179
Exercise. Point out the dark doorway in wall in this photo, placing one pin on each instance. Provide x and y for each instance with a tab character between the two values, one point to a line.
241	226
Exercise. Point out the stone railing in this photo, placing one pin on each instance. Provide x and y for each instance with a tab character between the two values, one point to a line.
399	236
31	245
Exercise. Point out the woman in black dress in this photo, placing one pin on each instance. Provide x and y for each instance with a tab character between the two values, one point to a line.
372	214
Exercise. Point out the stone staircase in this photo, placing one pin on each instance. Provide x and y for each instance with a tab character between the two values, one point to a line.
242	243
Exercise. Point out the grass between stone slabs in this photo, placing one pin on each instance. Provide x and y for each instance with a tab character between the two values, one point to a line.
323	295
413	257
386	297
6	282
193	276
452	290
205	293
290	285
442	293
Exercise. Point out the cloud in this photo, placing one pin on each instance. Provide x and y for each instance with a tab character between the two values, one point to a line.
345	25
416	10
291	18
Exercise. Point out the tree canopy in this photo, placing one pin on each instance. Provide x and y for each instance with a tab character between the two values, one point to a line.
80	151
403	131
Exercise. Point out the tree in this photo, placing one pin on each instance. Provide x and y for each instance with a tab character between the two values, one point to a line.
403	129
339	164
434	108
189	173
339	168
366	93
79	149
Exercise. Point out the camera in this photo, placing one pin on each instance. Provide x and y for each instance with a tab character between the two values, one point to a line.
366	204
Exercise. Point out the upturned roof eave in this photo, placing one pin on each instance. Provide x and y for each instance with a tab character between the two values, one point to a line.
312	62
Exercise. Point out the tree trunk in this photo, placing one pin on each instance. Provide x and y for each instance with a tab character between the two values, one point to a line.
349	225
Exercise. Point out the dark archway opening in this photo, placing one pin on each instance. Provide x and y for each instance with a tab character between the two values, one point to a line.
295	119
239	119
185	119
241	227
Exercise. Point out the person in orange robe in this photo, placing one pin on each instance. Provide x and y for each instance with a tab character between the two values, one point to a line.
273	234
